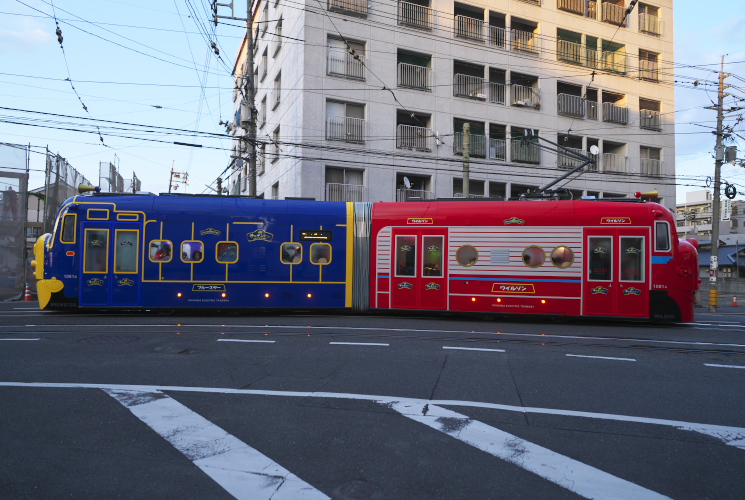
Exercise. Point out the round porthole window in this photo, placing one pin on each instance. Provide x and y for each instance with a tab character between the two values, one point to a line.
562	257
534	256
467	256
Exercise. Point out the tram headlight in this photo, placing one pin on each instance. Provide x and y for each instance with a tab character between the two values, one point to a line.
178	294
266	295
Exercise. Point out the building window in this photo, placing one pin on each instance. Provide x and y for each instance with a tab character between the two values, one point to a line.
278	36
413	131
649	66
477	138
649	20
344	184
345	59
277	92
651	162
649	115
345	122
351	7
275	191
416	14
275	142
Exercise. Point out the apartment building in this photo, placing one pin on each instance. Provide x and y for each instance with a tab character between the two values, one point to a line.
363	100
694	217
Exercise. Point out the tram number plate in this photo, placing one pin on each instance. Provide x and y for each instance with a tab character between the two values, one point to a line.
217	287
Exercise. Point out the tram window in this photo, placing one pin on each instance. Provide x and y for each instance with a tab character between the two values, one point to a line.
467	256
432	256
662	236
98	214
562	257
405	255
68	228
127	247
320	253
601	258
192	251
292	253
632	258
534	256
227	252
161	251
96	251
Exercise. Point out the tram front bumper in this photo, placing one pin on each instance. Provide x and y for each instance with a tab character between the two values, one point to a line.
45	289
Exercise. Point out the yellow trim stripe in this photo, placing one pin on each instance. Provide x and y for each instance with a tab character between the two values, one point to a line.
350	252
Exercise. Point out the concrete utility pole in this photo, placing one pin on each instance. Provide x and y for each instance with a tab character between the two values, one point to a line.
248	139
715	210
466	158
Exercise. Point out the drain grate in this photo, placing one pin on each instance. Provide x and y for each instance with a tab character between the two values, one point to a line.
109	339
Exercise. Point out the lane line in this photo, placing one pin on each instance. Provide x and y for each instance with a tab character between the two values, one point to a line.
239	340
20	339
358	343
725	366
241	470
471	349
600	357
568	473
730	435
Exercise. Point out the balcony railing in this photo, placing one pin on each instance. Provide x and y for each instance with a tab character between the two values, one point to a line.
613	14
414	16
614	163
414	77
650	24
346	192
412	137
498	149
615	114
341	63
614	61
592	110
650	119
406	194
276	97
470	195
524	97
651	167
574	6
497	37
469	86
469	28
570	52
262	70
649	70
354	7
523	41
592	9
593	58
497	93
564	159
571	105
525	151
343	128
477	145
261	163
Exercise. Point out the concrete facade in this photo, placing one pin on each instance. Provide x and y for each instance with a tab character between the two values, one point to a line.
333	128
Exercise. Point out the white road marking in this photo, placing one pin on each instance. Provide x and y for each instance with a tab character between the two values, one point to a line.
573	475
600	357
733	436
357	343
471	349
239	469
239	340
725	366
27	309
20	339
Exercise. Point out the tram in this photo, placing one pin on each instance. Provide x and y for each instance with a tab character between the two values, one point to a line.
557	258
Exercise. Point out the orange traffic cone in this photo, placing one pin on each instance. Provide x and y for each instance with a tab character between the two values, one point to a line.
734	300
28	294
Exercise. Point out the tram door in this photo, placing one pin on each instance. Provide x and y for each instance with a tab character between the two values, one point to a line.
419	268
110	273
616	272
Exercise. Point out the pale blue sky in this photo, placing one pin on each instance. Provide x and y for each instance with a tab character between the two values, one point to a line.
158	45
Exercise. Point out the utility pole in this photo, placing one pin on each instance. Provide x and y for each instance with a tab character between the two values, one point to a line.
466	158
715	210
249	136
176	179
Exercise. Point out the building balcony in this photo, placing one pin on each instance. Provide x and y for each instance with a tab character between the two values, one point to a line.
613	14
649	70
525	151
353	7
524	97
412	137
613	113
565	160
523	41
343	128
468	86
497	92
497	37
498	149
650	119
573	6
592	110
477	146
346	192
469	28
615	163
651	167
340	62
571	105
613	61
419	194
652	25
570	52
414	77
416	16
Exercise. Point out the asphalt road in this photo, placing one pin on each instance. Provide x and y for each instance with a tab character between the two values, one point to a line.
368	407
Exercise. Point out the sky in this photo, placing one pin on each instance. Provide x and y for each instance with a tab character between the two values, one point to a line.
149	64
